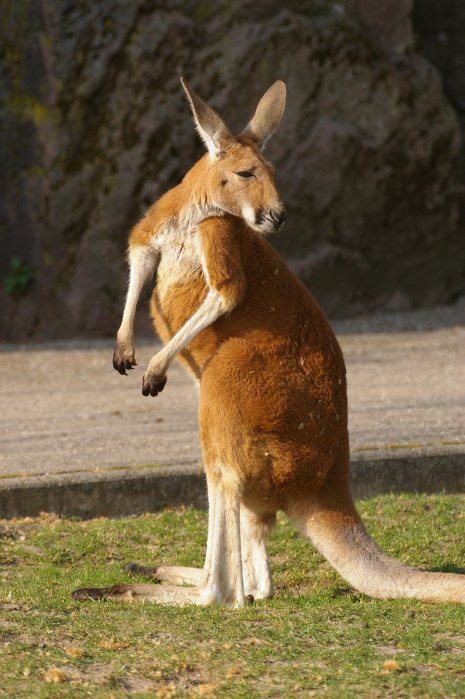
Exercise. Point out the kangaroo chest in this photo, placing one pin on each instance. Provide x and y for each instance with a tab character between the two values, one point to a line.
180	286
180	261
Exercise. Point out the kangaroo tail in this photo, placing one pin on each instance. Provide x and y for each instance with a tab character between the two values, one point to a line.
337	532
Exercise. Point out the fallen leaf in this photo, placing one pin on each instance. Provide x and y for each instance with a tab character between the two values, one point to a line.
55	675
390	666
75	652
251	641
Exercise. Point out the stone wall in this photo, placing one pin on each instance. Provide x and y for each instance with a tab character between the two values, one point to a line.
94	127
440	30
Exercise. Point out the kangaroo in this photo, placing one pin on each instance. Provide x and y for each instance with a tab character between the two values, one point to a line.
272	379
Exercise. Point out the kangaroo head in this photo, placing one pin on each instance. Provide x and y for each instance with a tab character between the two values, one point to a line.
240	180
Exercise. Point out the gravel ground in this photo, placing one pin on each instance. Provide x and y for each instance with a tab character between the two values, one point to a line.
66	411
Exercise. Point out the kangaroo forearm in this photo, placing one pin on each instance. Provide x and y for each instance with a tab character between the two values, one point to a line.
211	309
141	263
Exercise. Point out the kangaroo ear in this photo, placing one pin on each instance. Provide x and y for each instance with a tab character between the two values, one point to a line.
212	130
268	115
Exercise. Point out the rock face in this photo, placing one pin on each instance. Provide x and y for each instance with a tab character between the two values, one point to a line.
94	127
440	28
388	22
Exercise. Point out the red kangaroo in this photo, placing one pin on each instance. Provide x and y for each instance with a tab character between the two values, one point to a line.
273	400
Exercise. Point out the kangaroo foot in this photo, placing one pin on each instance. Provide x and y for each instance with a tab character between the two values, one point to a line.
123	592
176	575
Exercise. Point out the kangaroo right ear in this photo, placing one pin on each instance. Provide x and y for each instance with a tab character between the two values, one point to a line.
268	114
212	129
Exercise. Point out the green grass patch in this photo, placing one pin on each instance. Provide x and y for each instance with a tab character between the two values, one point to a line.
316	638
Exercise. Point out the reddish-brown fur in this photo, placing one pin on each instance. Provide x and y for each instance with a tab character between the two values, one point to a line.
273	397
285	372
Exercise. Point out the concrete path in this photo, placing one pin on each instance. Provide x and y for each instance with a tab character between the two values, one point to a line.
77	437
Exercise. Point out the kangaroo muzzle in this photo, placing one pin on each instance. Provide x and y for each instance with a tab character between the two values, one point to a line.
278	217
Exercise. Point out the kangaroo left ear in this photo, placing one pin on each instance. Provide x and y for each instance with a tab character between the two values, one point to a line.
268	115
212	129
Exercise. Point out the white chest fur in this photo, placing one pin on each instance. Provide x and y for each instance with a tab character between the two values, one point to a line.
180	259
179	244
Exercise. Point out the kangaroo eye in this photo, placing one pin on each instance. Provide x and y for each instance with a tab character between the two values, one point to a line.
244	173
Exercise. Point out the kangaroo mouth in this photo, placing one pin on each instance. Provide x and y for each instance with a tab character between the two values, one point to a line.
269	222
274	224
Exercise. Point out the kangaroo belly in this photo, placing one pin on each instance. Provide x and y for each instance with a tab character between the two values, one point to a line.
278	422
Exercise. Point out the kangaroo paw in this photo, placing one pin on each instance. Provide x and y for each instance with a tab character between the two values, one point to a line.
152	385
124	358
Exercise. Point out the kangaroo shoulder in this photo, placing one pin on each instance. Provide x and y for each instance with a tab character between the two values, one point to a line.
223	248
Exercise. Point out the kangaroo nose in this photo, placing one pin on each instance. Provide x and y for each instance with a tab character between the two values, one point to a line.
278	216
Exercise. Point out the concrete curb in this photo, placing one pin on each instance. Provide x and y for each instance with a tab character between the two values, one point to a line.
130	492
416	471
113	494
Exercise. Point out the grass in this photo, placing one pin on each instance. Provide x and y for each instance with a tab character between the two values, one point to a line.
316	638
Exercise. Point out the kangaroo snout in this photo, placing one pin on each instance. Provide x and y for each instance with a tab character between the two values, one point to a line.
278	216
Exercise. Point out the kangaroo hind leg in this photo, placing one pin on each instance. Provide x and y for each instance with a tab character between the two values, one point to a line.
221	578
255	530
223	563
256	570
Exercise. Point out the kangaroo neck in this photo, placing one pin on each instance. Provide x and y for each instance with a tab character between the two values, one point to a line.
194	196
